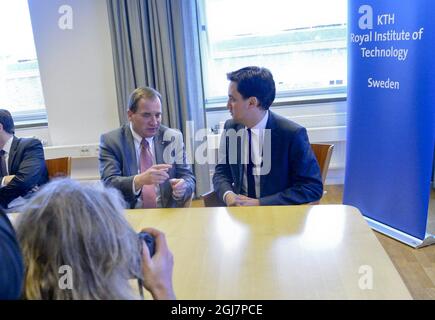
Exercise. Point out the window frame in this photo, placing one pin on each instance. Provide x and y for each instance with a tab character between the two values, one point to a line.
30	118
283	98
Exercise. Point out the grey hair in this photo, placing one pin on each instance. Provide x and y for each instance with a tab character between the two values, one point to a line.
83	227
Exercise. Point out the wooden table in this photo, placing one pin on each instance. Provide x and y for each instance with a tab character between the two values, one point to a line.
293	252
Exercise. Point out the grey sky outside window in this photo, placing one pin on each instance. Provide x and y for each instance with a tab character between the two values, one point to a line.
302	43
20	83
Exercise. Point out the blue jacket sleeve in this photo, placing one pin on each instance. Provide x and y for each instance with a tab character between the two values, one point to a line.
11	263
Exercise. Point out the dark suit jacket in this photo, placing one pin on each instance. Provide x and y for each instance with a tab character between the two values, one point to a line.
294	176
118	163
11	262
27	163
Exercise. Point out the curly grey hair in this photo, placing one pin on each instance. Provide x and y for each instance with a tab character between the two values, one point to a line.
83	227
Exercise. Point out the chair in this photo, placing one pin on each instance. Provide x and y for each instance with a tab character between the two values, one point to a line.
211	199
323	153
58	167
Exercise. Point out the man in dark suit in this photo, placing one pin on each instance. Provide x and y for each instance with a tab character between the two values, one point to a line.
264	159
11	261
145	160
22	163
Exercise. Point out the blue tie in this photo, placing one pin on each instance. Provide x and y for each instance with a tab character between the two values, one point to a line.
250	168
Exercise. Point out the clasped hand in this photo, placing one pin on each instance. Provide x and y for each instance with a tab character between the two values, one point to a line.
239	200
179	187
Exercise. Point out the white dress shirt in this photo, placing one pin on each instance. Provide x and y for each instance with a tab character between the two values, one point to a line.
137	147
257	140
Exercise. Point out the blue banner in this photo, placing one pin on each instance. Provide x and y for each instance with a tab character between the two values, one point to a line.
391	111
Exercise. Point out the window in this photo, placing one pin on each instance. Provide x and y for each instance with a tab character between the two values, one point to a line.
20	83
303	43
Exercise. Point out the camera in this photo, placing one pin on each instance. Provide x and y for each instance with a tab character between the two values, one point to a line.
149	240
151	244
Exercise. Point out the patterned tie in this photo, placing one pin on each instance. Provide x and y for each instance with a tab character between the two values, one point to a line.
146	161
250	169
3	169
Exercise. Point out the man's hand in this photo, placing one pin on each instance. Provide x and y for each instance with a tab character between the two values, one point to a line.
230	199
156	174
179	187
244	201
8	179
239	200
157	270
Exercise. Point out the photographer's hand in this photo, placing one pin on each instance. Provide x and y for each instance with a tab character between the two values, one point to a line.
157	271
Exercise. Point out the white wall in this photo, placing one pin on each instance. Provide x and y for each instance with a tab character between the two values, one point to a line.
76	69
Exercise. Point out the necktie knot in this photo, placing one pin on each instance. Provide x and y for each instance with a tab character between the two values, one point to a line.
145	143
2	153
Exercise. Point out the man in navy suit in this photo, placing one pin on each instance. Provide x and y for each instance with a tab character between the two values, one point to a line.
264	159
22	163
11	261
145	160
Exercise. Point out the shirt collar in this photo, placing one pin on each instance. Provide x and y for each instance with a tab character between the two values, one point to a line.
263	122
8	145
137	138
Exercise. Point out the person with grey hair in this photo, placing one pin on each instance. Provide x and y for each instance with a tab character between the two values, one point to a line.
145	160
76	244
22	163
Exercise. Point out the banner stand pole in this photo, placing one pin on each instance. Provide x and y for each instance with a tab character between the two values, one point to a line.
401	236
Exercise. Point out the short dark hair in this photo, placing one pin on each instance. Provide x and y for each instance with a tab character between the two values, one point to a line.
142	93
7	121
255	82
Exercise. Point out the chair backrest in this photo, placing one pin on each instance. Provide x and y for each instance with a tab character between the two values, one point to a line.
211	200
323	153
58	167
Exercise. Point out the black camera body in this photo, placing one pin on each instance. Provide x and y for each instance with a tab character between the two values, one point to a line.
149	240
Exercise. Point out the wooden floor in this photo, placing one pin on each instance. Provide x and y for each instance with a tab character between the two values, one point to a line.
416	266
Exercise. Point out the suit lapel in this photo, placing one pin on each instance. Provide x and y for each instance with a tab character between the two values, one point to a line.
130	151
274	140
159	145
12	153
239	167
